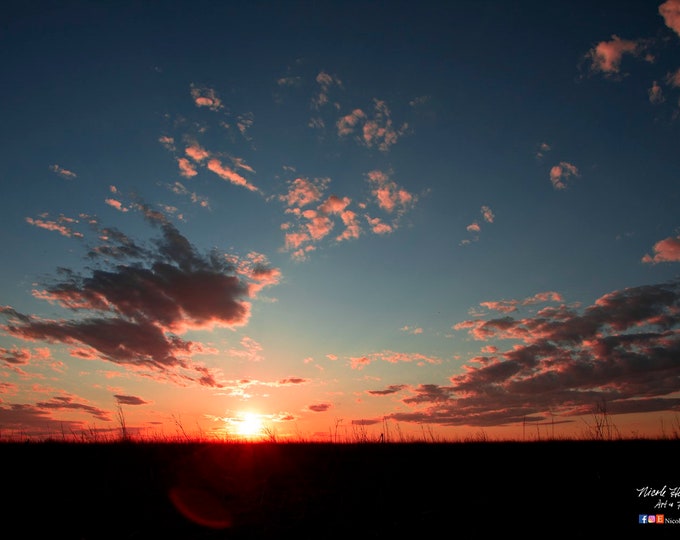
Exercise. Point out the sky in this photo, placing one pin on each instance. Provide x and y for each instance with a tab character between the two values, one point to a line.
340	219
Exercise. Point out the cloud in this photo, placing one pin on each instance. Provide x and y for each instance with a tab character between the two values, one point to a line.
133	314
64	173
62	225
115	203
22	356
377	130
206	97
38	419
303	191
392	357
224	172
561	174
312	225
623	350
320	407
670	11
543	148
606	56
325	81
68	403
510	306
487	214
666	250
129	400
292	381
655	93
186	169
674	79
389	196
180	189
392	389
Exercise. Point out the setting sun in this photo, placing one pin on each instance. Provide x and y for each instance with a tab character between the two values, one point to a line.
248	424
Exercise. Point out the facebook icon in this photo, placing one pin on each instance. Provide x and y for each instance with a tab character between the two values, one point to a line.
642	518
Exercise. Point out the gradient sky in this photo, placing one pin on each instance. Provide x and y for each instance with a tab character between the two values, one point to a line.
436	217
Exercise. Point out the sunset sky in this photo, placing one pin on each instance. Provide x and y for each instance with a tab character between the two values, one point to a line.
341	217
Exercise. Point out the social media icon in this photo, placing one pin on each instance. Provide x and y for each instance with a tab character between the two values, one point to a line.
651	518
659	518
642	518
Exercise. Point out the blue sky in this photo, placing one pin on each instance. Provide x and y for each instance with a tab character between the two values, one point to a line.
446	216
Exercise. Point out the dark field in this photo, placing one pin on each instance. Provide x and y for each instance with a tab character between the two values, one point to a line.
579	489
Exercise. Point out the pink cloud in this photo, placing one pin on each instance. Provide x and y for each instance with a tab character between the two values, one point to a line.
378	226
666	250
64	173
227	174
562	173
352	228
303	192
348	123
487	214
206	97
115	203
670	11
325	82
334	205
606	56
196	153
61	226
23	355
377	130
186	169
389	195
473	227
319	226
359	362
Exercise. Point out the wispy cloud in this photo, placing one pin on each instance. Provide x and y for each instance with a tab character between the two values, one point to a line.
226	173
129	400
64	173
62	225
360	362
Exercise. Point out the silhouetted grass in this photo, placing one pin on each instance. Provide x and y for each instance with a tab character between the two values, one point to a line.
195	490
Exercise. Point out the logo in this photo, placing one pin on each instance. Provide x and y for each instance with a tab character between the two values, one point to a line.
651	518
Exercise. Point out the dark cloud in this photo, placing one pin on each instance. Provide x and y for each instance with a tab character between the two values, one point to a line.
132	314
624	351
129	400
392	389
67	402
320	407
293	380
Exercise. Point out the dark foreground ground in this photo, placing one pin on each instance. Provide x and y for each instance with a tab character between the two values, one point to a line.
579	489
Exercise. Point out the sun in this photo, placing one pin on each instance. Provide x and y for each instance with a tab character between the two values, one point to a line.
248	425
